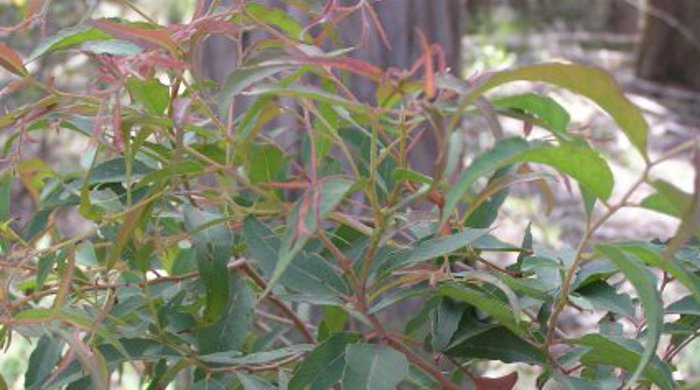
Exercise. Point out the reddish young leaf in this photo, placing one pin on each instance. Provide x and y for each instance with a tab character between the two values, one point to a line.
10	60
347	63
147	38
428	66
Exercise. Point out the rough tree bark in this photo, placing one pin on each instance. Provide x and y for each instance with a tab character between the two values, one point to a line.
669	51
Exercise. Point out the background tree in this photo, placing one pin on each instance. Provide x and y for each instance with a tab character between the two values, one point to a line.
669	51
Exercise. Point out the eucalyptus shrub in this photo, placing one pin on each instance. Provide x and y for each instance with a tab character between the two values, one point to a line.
213	255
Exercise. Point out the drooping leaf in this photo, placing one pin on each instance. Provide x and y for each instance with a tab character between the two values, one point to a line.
324	366
644	283
593	83
373	367
42	362
445	323
653	256
576	159
213	245
231	329
627	354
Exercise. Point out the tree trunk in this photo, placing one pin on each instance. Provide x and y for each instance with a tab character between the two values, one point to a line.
623	17
670	48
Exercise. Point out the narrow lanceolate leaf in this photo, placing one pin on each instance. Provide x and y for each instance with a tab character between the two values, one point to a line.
148	38
576	159
231	329
653	256
489	304
373	367
42	362
242	78
68	37
593	83
213	242
323	367
10	60
625	353
304	220
644	283
431	249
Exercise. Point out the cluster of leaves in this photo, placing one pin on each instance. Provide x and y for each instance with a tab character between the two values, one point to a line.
211	249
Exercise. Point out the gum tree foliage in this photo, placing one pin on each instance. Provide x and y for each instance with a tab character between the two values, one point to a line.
211	253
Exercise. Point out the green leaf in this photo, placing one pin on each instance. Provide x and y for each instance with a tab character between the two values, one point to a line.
502	154
430	249
244	77
305	274
232	358
114	171
277	18
373	367
250	382
445	323
487	303
653	256
114	47
576	159
68	37
593	83
409	174
323	366
644	283
42	361
625	353
685	305
149	93
667	199
5	192
266	163
229	332
329	194
602	296
213	245
543	108
497	343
